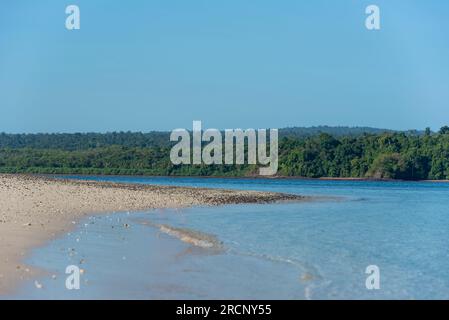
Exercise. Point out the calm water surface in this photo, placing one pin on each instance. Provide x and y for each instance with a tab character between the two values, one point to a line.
309	250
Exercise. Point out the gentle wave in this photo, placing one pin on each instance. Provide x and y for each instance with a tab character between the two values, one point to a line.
193	237
309	275
308	272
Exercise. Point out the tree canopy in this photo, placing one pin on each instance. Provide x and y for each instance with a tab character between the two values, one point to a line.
386	155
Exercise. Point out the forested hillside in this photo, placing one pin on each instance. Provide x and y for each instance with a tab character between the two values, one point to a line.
78	141
387	155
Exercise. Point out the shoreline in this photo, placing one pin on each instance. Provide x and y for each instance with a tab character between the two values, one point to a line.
35	209
255	177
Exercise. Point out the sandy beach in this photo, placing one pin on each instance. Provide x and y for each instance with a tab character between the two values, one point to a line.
35	209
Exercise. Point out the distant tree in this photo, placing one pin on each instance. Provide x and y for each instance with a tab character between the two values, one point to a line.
444	130
387	166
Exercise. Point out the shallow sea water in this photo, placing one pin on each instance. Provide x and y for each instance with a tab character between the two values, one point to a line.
306	250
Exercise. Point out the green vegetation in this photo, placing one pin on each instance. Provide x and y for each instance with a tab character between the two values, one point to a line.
78	141
380	155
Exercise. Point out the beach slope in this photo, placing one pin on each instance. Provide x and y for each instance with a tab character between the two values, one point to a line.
35	209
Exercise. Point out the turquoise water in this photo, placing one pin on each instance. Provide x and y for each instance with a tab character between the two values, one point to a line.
307	250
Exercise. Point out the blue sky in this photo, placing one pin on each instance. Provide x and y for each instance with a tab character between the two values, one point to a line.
158	65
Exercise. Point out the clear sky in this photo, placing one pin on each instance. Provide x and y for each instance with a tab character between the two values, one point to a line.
158	65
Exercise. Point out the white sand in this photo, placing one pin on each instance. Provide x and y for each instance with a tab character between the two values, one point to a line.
35	209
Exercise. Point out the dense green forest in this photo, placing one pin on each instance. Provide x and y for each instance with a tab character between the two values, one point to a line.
379	154
77	141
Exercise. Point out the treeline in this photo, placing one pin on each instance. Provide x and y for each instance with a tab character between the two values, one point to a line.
388	155
113	160
299	132
384	156
83	141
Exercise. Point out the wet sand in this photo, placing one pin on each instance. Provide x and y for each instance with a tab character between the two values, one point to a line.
35	209
148	261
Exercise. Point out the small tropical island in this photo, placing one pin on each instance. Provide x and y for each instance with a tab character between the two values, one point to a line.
316	152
